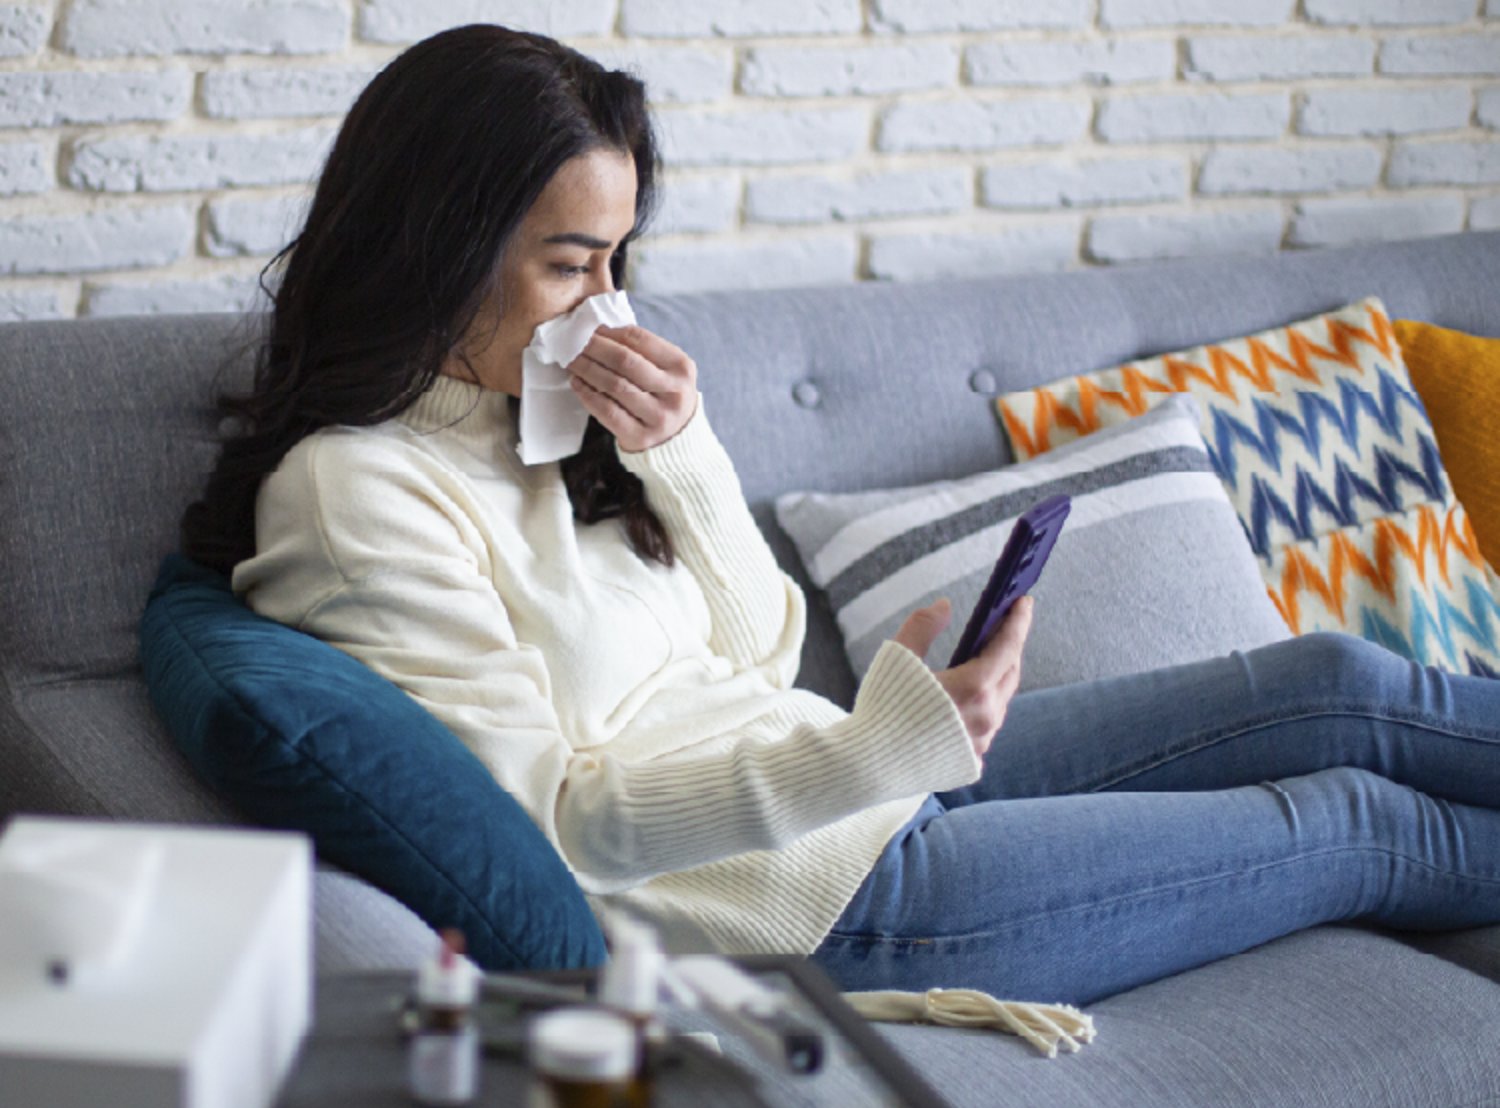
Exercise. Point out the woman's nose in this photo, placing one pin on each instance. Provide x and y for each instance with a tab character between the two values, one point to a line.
601	281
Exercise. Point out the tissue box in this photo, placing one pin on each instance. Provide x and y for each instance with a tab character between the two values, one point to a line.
208	1006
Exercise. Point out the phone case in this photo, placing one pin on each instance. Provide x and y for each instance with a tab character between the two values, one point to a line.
1016	571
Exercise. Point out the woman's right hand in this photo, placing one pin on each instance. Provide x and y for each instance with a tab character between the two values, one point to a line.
982	687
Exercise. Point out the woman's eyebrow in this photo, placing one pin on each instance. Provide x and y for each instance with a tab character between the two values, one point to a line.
577	238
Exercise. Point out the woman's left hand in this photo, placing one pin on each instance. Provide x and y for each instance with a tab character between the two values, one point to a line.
640	386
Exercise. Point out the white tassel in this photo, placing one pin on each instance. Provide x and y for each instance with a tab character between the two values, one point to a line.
1044	1026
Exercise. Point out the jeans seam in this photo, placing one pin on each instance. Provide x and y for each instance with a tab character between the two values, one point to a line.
1424	723
1123	898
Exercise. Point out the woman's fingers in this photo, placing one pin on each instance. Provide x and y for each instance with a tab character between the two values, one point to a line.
643	403
1003	651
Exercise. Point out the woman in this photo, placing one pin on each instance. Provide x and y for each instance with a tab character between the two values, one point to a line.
612	638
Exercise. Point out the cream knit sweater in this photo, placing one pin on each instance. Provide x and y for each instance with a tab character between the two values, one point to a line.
644	717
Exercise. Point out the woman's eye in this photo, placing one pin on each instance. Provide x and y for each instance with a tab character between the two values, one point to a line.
572	270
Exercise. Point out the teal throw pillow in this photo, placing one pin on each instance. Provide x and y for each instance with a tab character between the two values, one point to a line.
303	737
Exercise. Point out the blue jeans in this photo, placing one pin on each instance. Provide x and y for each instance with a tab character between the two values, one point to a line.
1128	829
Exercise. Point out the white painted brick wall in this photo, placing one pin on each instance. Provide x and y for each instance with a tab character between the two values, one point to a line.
282	91
810	198
1442	55
50	99
1081	184
1489	108
674	74
154	163
918	16
23	29
1167	13
1401	111
822	259
1081	61
1344	221
1133	238
804	141
111	28
1444	163
1248	170
982	124
405	21
1388	12
23	303
26	167
673	18
1178	117
1277	57
704	202
1484	213
109	238
230	293
256	225
1034	248
845	71
762	136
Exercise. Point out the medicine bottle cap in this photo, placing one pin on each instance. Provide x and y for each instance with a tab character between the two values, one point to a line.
450	980
582	1044
631	979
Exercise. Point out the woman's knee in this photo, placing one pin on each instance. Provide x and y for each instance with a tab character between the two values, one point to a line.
1344	665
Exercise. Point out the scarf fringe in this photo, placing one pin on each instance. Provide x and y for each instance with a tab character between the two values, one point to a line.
1044	1026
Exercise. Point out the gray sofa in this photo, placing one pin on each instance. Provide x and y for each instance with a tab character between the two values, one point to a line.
107	430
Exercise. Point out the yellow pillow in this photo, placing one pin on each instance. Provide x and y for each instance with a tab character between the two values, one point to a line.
1458	379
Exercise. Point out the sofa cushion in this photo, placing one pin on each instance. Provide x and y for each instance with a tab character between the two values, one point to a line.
1331	462
1152	544
299	735
1458	378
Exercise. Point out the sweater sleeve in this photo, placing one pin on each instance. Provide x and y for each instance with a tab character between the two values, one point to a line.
387	574
757	612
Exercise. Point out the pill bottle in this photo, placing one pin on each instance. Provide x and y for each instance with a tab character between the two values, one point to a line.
443	1058
584	1058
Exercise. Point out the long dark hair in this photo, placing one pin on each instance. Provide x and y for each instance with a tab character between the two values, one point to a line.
435	165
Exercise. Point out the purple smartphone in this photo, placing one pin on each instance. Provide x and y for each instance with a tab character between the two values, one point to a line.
1016	571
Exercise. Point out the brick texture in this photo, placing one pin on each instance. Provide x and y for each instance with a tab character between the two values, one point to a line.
1079	184
808	198
982	125
669	18
111	28
1034	248
26	167
918	16
1166	13
171	162
1132	238
822	259
1388	12
231	293
50	99
1278	57
23	29
1086	61
1358	219
1177	117
401	21
1255	169
843	71
1383	111
299	91
114	238
155	152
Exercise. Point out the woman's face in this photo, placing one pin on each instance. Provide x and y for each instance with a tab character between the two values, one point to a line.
558	258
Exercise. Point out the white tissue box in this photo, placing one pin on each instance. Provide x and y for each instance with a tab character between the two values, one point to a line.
205	1009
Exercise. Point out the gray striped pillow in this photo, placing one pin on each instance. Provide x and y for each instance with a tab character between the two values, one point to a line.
1152	568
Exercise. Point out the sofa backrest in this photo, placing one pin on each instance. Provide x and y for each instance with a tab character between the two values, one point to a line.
108	430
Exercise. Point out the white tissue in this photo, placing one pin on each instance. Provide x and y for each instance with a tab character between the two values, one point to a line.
553	419
71	904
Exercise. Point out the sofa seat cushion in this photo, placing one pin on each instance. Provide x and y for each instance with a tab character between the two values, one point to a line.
300	736
1332	1016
